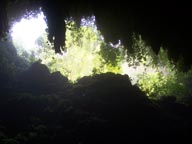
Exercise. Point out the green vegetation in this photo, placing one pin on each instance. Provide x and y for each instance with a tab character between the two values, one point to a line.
88	54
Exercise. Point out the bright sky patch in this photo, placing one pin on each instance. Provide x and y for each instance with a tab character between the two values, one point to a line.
26	32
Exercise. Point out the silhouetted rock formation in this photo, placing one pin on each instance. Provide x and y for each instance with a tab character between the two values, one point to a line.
38	79
104	108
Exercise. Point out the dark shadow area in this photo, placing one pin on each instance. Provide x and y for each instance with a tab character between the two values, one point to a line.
43	107
39	107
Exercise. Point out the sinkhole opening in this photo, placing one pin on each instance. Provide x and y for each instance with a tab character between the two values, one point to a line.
88	54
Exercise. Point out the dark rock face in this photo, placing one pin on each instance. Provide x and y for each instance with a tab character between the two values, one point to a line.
103	108
3	18
38	79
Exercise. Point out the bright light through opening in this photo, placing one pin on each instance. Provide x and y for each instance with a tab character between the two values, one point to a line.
88	54
26	32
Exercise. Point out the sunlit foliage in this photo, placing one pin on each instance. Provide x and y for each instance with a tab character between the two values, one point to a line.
87	53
